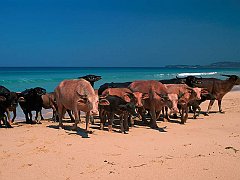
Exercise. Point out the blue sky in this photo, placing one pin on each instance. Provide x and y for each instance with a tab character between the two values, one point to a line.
105	33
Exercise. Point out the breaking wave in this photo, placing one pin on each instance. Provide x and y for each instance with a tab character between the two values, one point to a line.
197	74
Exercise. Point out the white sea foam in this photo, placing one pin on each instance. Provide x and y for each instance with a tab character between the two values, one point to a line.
197	74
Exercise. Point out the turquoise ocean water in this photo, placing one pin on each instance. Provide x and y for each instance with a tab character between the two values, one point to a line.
19	79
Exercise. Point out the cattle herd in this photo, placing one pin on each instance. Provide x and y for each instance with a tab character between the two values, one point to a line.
148	100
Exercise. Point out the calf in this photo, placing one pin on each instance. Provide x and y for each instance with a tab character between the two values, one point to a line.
116	105
49	102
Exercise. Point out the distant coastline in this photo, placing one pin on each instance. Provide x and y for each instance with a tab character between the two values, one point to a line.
223	64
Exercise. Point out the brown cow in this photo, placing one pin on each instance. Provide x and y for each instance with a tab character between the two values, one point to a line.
76	95
218	88
49	102
158	98
185	94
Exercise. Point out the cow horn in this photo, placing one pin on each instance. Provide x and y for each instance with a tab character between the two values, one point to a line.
103	96
226	75
177	77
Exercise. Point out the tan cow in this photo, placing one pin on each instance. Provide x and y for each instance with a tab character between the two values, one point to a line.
76	95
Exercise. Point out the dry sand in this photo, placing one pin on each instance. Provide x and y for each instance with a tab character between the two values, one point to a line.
206	148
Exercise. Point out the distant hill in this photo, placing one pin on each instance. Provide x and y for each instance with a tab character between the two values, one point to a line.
224	64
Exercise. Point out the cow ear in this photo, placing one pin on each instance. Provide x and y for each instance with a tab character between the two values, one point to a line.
2	99
126	98
104	102
145	96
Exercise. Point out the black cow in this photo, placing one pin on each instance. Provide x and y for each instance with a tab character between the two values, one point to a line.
7	99
31	100
189	80
91	78
116	105
112	85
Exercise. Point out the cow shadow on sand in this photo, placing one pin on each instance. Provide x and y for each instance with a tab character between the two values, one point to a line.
68	129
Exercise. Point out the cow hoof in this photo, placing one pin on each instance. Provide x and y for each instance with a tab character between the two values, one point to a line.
222	112
110	128
154	126
89	131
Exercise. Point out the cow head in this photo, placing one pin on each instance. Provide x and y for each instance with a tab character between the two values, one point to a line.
136	97
91	102
190	80
172	103
2	99
195	93
129	107
40	91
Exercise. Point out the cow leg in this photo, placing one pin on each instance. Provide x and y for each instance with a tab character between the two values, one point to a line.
121	123
110	121
70	115
194	112
28	121
142	114
76	115
41	115
102	117
166	111
14	114
38	116
153	118
182	115
8	116
130	120
5	120
125	122
210	106
87	122
186	114
60	114
220	106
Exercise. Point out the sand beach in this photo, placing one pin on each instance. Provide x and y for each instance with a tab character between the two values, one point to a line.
205	148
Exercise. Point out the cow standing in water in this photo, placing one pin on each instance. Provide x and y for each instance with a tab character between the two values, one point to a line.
76	95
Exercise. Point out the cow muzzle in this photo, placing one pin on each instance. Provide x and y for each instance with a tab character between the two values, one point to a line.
94	113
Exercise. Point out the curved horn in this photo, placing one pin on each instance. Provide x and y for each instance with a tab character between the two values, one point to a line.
226	75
